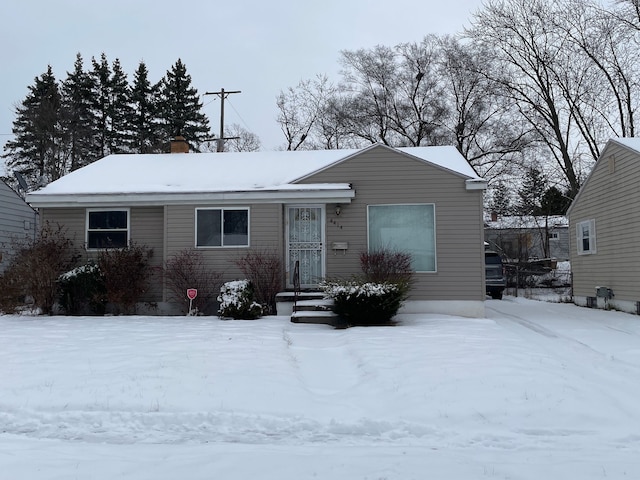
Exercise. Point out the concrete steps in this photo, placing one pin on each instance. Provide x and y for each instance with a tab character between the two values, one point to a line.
311	307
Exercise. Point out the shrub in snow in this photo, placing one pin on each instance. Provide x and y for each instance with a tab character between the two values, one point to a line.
126	275
365	303
83	291
36	266
387	266
263	268
237	301
187	269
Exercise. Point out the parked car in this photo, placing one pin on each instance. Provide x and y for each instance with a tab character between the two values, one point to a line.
494	274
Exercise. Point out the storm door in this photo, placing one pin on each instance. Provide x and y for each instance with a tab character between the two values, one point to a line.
305	244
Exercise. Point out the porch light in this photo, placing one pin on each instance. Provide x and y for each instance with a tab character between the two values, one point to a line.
338	210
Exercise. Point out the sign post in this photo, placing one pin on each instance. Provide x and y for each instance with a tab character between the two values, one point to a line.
192	293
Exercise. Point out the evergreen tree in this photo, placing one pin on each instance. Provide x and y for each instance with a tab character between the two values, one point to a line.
554	202
78	116
530	194
181	108
144	113
501	199
101	75
37	150
119	111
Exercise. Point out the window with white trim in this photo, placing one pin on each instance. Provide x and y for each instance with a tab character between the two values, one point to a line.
406	228
586	237
222	227
107	228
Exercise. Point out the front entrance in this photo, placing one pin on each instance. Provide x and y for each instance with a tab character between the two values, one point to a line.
305	244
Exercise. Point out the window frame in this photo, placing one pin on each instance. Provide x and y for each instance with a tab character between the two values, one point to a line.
87	230
591	237
435	236
222	210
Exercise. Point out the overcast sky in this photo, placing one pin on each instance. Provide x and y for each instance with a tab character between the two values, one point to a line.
259	47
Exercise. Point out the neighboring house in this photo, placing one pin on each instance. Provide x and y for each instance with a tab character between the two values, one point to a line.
17	222
322	208
528	237
604	219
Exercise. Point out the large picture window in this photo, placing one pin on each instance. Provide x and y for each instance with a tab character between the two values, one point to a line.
586	237
222	227
107	229
405	228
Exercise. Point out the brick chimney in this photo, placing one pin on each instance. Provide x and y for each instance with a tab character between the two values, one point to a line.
179	145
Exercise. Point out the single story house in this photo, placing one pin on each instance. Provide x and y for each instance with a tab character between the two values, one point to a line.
528	237
321	208
17	222
605	252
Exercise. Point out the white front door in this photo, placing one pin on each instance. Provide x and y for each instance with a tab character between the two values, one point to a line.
305	244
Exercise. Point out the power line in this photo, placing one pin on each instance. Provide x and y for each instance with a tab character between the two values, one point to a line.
222	94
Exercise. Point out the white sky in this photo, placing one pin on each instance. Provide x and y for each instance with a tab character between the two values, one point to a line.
257	47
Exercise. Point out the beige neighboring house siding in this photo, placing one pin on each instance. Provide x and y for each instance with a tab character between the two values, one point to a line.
611	198
17	222
265	234
379	176
146	228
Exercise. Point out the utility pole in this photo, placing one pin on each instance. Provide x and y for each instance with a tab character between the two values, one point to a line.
222	94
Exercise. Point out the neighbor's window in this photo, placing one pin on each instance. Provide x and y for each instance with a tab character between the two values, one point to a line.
405	228
107	228
554	235
586	237
222	227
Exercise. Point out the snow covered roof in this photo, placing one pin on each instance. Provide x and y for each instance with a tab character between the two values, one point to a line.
527	221
220	173
629	142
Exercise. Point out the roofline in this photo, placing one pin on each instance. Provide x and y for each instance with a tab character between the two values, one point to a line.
393	149
341	195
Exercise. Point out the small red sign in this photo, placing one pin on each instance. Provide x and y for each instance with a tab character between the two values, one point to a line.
192	293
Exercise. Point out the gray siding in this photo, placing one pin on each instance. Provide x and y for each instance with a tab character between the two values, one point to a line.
383	177
146	228
17	221
265	234
612	199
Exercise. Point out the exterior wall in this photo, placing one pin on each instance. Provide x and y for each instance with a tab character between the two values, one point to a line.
610	197
265	234
17	221
383	177
526	243
146	228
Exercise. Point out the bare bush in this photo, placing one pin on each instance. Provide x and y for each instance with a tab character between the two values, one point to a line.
36	266
186	269
126	276
264	269
388	266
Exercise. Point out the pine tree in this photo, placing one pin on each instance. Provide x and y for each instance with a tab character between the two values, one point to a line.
533	187
501	199
37	151
78	117
119	111
181	108
144	113
101	75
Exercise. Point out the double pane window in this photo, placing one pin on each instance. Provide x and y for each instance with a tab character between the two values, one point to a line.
221	227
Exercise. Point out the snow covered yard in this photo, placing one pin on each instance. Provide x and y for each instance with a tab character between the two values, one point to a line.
534	391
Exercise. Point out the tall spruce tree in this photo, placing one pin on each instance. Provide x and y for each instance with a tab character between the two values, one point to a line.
181	107
78	117
101	74
145	134
119	111
37	150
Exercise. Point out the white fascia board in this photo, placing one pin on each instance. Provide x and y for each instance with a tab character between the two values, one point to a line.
476	184
192	198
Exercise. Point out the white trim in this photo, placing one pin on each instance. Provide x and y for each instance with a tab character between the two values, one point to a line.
323	249
435	236
222	210
338	195
591	227
105	209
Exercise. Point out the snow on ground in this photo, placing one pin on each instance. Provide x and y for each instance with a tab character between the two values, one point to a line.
535	390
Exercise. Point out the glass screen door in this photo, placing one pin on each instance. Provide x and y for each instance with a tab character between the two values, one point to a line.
305	244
